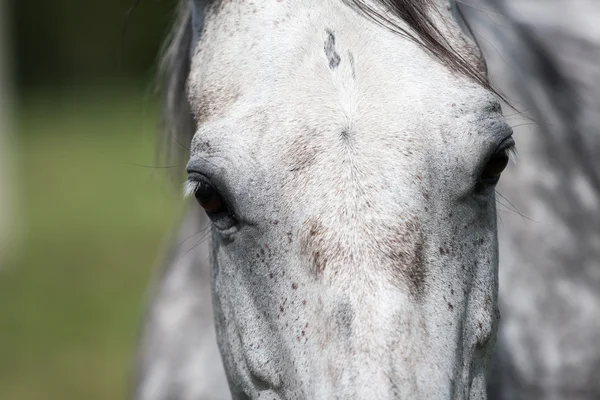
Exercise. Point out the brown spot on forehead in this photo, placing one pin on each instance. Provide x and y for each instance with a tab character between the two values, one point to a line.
213	102
302	151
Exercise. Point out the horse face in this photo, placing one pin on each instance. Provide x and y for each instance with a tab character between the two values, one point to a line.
349	177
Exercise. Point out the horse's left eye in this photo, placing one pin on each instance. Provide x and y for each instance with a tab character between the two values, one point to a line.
494	168
209	199
490	175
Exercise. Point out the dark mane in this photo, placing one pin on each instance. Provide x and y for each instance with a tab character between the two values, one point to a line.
418	15
177	122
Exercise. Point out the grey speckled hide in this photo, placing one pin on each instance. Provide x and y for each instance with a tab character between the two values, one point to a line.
357	254
546	55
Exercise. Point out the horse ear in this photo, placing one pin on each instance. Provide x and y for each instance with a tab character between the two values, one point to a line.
198	8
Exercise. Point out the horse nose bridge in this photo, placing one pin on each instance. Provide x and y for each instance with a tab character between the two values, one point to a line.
392	248
372	346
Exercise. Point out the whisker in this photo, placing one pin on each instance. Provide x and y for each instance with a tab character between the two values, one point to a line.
172	135
519	113
512	207
199	242
152	166
525	124
203	231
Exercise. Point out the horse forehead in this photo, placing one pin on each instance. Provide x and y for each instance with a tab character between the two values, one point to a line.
324	90
316	63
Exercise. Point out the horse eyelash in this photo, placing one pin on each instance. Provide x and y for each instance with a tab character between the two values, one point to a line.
190	187
511	153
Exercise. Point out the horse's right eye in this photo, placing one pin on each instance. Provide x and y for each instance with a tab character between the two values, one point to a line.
209	199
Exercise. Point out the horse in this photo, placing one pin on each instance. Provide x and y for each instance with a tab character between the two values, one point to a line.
319	289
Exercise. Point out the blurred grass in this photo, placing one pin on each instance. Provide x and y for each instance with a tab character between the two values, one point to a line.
93	225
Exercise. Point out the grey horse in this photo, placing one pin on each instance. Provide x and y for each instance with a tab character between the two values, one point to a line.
540	354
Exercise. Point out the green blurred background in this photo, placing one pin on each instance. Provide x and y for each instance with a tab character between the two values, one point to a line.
93	205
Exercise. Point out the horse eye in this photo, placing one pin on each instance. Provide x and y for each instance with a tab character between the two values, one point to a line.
209	199
493	169
496	164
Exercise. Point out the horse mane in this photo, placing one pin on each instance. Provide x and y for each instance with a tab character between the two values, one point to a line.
423	30
177	124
